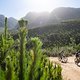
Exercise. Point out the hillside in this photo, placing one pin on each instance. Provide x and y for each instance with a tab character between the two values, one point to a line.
59	34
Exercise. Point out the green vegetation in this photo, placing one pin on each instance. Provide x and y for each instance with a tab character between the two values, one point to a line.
18	62
59	37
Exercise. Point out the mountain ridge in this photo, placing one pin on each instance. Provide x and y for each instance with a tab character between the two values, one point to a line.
12	22
56	16
36	19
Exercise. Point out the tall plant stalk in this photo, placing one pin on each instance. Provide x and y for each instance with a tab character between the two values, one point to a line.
23	33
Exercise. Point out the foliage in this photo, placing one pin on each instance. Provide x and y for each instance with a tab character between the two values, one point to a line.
19	63
54	51
59	37
58	34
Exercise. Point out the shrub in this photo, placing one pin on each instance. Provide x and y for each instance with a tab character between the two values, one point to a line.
19	63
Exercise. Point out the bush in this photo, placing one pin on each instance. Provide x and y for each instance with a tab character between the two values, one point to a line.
19	63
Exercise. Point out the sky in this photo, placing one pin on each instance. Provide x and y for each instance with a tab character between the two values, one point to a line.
19	8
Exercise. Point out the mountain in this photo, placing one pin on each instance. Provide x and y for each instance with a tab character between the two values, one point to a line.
64	13
36	19
11	22
56	16
41	19
2	20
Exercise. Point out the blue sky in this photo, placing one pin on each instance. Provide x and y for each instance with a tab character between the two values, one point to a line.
19	8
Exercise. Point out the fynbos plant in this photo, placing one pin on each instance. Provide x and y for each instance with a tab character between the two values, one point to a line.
23	33
17	62
40	68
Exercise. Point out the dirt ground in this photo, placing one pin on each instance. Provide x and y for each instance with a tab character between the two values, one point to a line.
70	71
